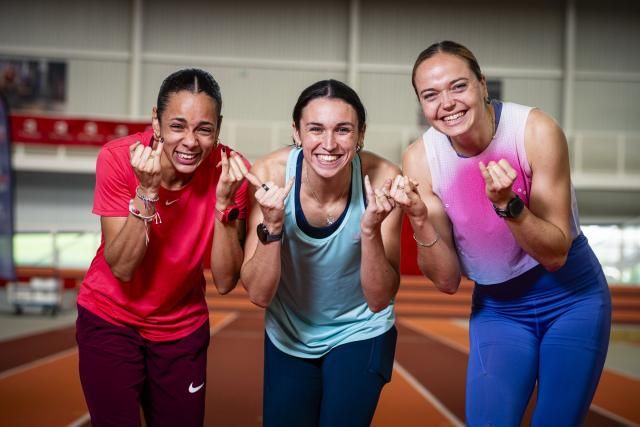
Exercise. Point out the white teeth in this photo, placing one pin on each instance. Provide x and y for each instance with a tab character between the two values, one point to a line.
454	116
327	157
186	156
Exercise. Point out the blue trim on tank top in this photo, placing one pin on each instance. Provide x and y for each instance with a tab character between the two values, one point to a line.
497	106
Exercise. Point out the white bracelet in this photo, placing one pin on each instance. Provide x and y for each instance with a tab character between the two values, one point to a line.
136	212
145	218
426	245
148	201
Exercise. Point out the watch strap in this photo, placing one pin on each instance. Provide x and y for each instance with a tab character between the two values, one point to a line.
265	236
230	214
514	208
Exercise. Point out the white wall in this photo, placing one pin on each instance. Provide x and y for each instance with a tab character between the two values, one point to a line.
608	65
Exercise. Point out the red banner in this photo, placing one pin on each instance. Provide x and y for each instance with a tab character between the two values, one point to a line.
70	131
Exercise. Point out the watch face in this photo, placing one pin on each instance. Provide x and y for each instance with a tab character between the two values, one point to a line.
515	207
232	213
262	233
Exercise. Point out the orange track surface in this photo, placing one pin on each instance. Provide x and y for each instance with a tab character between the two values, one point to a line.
48	392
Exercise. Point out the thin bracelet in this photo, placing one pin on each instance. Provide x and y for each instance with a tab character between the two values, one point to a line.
148	201
145	219
426	245
136	212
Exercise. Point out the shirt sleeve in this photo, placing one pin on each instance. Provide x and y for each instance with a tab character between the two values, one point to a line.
112	193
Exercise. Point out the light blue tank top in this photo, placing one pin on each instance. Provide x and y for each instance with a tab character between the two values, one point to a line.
319	303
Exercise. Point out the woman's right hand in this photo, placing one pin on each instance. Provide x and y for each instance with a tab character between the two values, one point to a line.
145	162
271	199
404	191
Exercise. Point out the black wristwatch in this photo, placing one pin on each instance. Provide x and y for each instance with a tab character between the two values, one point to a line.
513	210
266	237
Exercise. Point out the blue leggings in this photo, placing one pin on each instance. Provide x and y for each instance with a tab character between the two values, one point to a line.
552	328
339	389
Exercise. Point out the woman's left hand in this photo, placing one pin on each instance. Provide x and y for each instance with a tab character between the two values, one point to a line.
498	178
379	204
231	176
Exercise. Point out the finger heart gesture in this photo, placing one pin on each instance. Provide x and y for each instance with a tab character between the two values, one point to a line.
232	173
270	197
379	203
145	161
498	178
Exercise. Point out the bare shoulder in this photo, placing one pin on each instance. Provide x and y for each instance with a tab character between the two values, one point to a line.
414	153
414	162
543	135
416	148
272	167
378	168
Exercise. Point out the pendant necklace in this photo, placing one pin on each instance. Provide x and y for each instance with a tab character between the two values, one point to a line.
330	218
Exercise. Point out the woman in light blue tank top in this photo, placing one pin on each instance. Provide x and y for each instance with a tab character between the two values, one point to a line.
496	203
324	263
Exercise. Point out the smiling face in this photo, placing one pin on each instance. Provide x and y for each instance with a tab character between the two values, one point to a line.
451	96
329	134
190	128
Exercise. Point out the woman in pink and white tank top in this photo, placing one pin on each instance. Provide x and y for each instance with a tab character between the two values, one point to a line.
487	190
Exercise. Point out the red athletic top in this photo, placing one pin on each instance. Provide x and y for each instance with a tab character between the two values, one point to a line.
165	299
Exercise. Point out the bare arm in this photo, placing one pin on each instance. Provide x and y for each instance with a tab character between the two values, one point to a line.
227	254
542	230
126	237
226	251
124	244
260	271
431	226
380	236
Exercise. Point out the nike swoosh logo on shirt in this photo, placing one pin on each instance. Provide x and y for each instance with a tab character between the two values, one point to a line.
193	389
170	202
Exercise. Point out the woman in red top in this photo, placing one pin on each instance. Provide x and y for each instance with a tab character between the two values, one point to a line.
143	322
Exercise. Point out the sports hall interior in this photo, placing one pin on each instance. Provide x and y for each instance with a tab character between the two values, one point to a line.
578	60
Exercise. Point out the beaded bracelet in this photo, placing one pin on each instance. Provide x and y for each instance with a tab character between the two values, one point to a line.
136	212
426	245
148	201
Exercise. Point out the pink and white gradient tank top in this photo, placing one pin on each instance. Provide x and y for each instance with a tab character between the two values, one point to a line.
487	250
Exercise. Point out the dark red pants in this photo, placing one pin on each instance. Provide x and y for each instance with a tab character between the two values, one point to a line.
120	372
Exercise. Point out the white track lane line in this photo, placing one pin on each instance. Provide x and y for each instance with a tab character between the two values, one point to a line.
593	407
427	395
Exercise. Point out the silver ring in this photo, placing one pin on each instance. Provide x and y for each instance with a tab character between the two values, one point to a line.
265	187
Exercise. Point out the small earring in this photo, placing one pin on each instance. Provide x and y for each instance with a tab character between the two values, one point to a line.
487	100
358	148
